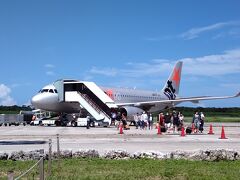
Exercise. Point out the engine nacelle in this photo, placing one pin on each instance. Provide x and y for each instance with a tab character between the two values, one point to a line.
131	111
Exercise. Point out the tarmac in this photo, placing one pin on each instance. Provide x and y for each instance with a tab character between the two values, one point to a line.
28	138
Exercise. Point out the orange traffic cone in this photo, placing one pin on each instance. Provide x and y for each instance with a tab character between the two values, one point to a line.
183	132
210	130
159	130
223	134
120	129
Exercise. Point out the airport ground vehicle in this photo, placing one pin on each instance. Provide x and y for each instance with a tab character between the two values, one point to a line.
45	118
40	117
43	121
83	122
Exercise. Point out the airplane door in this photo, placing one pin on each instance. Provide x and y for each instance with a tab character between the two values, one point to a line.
110	93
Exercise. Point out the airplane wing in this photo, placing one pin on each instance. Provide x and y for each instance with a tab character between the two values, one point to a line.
179	100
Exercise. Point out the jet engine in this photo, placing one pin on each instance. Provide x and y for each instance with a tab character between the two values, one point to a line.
130	111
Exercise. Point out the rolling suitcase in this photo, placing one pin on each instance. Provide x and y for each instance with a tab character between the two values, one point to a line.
188	130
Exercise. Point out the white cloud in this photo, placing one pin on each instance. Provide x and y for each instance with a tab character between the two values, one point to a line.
49	69
156	39
4	90
28	103
15	85
211	65
50	73
234	32
195	32
5	98
104	71
49	66
153	68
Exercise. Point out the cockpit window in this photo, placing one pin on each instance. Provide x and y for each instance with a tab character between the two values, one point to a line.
48	90
44	90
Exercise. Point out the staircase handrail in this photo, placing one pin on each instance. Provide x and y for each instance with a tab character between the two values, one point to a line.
93	104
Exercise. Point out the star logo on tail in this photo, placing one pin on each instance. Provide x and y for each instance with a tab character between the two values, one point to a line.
176	76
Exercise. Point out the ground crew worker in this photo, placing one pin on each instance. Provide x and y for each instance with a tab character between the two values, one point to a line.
88	122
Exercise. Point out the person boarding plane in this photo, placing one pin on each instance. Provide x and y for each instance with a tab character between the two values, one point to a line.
129	101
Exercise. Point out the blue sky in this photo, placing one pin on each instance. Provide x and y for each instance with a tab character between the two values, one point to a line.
127	43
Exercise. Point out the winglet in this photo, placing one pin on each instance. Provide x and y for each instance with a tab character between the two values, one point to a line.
238	94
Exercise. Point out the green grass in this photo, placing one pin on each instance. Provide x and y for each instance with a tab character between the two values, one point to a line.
130	169
216	119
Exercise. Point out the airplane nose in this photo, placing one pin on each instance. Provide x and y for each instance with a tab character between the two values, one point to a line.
35	100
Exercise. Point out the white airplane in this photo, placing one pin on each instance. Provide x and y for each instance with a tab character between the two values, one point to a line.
130	101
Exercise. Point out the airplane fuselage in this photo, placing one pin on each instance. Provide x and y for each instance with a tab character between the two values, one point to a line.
126	95
50	101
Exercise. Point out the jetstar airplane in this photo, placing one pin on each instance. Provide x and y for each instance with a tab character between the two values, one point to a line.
131	101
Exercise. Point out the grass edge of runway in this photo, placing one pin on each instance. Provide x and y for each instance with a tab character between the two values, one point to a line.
97	168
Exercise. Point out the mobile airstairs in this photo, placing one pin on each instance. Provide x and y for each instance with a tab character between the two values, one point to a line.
89	96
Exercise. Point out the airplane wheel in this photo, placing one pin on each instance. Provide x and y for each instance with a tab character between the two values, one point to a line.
74	124
93	124
40	123
57	123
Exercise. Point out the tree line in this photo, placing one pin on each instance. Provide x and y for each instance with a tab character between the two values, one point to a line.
187	111
210	111
14	109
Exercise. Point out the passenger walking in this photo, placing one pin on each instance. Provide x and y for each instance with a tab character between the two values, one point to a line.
167	121
145	121
150	121
124	120
139	120
136	120
161	120
114	117
142	120
196	121
202	119
175	121
181	120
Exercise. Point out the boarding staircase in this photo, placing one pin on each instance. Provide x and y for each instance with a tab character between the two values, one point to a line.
90	97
